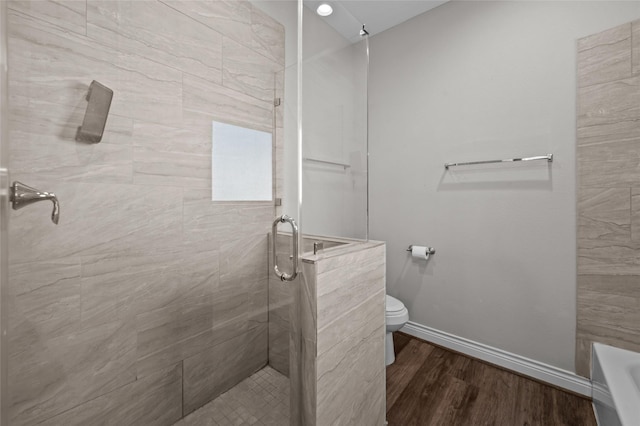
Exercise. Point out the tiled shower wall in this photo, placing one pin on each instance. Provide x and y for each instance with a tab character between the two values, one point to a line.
147	300
608	162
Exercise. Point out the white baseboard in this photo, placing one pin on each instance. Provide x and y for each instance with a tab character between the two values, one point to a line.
543	372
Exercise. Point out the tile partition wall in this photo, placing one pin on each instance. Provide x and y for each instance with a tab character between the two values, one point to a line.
281	295
147	300
608	135
342	318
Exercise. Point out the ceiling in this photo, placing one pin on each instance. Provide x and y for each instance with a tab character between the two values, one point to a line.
378	15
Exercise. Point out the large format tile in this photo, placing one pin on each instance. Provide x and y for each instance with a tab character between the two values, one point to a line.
365	275
635	54
609	102
183	326
621	131
228	17
46	297
244	268
635	214
96	219
153	167
281	296
51	375
68	14
43	143
57	67
351	379
216	370
157	32
170	155
371	312
601	257
605	56
153	401
248	72
206	101
613	164
208	225
268	36
604	213
608	309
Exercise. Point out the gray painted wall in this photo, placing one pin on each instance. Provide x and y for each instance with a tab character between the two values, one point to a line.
472	81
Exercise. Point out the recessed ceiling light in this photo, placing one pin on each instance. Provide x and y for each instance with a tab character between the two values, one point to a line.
324	9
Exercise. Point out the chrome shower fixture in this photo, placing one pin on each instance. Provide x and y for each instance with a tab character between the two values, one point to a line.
363	32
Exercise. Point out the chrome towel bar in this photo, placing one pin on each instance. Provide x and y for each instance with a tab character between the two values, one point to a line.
332	163
548	157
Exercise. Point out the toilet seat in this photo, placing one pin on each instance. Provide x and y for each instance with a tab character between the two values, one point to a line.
394	306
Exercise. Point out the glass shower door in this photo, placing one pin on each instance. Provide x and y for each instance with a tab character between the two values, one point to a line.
149	299
334	128
4	217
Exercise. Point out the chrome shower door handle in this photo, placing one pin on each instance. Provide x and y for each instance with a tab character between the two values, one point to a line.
23	195
274	236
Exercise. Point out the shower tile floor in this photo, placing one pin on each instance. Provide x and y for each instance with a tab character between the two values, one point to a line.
261	399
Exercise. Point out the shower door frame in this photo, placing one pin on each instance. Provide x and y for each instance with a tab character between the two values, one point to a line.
4	213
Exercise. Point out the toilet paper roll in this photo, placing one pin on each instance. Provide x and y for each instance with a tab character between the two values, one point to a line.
419	252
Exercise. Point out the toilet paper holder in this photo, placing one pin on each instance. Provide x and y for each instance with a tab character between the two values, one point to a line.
429	251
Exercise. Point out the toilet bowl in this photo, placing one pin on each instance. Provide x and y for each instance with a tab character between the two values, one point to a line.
396	317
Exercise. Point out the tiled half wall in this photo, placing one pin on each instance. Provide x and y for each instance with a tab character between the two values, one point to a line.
147	300
608	193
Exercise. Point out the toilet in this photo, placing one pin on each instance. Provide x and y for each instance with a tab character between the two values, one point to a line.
396	317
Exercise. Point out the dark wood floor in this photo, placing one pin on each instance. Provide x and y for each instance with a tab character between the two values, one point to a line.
429	385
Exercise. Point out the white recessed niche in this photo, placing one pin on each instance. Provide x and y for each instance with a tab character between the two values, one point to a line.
241	164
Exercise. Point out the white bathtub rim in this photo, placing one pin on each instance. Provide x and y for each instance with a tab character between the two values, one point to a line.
616	366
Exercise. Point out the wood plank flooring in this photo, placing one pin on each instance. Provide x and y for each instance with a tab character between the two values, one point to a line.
429	385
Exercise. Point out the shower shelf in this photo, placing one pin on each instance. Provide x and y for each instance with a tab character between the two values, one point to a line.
332	163
548	157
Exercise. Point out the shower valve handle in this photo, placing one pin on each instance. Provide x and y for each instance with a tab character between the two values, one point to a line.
23	195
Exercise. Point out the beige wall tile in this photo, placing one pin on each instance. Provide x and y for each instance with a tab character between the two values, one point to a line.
607	135
351	380
365	276
153	167
607	313
157	32
635	54
604	213
601	257
268	35
635	214
609	102
144	271
142	88
43	143
180	139
371	312
248	71
208	374
608	164
68	14
46	297
153	401
206	101
228	17
96	219
52	375
605	56
623	131
208	225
